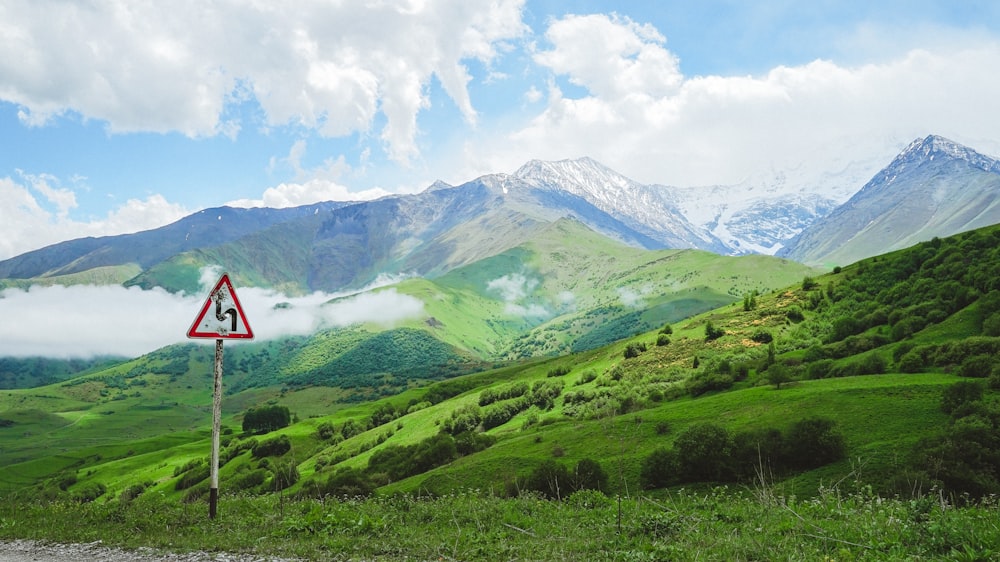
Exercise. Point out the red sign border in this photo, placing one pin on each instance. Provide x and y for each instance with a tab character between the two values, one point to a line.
193	333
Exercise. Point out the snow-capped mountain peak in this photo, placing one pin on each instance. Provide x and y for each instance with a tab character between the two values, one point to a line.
932	146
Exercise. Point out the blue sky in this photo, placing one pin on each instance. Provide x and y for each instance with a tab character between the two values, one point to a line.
122	116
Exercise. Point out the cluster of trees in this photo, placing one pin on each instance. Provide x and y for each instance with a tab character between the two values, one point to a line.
555	480
266	418
501	404
708	452
396	462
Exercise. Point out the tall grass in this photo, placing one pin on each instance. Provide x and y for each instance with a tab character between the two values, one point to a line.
714	524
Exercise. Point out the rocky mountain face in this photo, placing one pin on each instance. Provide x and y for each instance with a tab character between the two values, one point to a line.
935	187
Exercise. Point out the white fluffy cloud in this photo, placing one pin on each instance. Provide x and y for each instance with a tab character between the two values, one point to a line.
153	66
311	191
84	321
641	116
34	214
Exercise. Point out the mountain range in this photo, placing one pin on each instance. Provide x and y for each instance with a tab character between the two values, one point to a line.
935	187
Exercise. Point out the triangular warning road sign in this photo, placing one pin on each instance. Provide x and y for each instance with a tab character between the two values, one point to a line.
222	316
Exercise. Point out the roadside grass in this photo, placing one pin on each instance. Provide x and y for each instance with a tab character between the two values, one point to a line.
712	524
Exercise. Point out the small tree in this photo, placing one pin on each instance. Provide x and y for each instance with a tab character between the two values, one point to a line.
777	374
713	333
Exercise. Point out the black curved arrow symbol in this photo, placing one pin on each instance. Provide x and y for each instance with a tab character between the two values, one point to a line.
221	316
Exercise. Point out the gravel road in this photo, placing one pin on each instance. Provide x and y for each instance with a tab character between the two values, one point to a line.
33	551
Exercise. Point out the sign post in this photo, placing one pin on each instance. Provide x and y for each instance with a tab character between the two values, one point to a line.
226	321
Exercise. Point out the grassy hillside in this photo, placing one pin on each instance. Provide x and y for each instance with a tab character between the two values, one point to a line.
108	275
872	349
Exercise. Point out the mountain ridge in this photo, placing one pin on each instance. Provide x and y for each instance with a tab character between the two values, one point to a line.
346	245
933	188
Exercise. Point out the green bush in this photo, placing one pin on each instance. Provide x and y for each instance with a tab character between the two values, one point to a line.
704	453
976	366
345	483
193	476
712	333
551	479
959	394
814	442
274	447
589	475
659	469
89	492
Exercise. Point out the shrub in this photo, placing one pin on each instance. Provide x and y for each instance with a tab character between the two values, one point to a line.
759	450
795	314
193	476
274	447
285	474
820	369
704	453
551	479
248	480
662	340
634	349
912	362
707	382
762	336
558	372
713	333
587	376
959	394
133	491
976	366
345	483
659	469
589	475
814	442
325	431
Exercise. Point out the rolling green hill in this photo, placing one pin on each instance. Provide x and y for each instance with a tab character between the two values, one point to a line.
871	348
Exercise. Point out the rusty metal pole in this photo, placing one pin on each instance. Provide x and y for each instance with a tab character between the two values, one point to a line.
213	492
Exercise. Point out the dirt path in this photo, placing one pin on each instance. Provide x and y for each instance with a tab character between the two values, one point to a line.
33	551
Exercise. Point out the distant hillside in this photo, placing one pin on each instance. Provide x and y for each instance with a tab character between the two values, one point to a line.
210	227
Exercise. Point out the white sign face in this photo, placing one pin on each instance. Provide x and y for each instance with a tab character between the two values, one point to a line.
222	316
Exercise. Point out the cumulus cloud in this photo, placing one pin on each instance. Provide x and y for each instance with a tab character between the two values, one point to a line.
311	191
333	68
641	115
84	321
35	214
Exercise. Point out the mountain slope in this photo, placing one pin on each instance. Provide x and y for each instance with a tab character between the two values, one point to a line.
933	188
145	422
647	209
210	227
